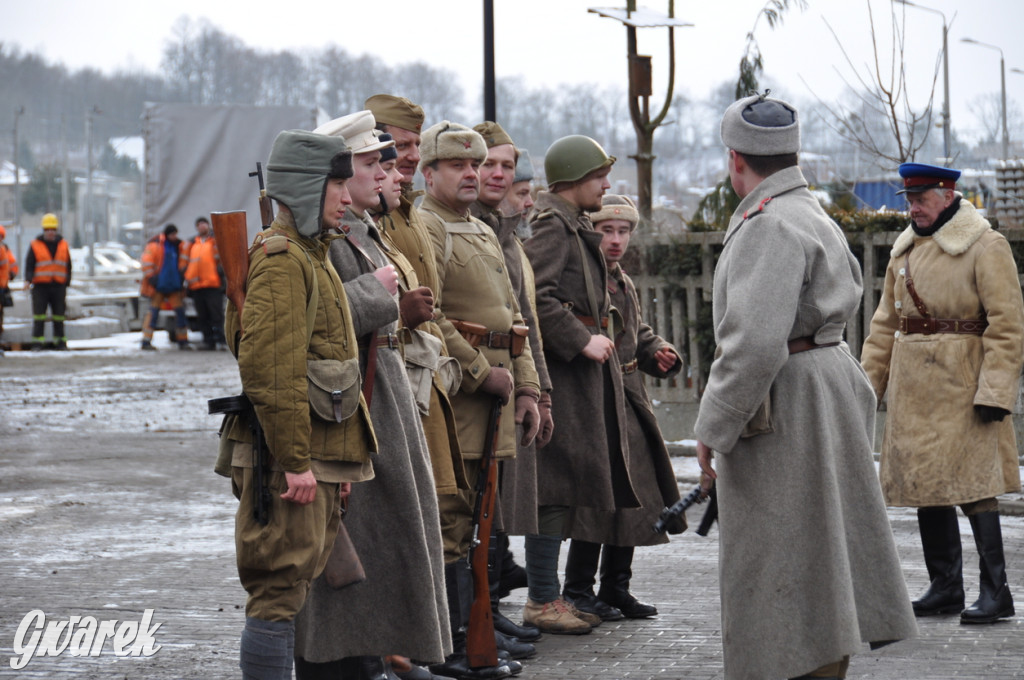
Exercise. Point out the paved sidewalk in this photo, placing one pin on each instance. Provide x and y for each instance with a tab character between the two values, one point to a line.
109	507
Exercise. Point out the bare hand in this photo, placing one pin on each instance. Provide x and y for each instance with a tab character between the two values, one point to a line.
708	474
344	489
599	348
301	487
388	278
499	383
666	359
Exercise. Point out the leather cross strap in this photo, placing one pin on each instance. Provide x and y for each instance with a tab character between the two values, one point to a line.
930	325
797	345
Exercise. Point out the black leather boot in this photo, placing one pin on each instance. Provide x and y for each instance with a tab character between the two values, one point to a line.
515	648
580	572
995	601
943	555
511	576
458	581
616	573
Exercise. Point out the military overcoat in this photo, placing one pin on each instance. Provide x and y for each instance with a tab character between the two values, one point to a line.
808	567
586	462
401	607
936	450
650	468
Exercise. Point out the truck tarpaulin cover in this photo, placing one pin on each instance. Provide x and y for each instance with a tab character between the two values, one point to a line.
198	160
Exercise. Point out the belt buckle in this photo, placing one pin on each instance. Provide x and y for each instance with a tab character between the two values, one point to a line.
392	341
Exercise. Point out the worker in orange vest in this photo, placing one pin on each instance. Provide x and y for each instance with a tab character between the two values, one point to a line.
48	274
8	269
163	281
205	280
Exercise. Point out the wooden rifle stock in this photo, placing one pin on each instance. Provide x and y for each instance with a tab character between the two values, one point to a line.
481	648
232	239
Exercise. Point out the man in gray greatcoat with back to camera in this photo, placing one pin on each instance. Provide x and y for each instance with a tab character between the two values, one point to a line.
807	565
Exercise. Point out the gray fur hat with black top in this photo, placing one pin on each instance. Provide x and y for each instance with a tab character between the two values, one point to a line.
761	126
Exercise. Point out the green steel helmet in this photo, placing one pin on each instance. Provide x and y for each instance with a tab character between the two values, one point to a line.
572	158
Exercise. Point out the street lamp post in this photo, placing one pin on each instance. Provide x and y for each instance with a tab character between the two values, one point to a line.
946	131
1002	76
17	181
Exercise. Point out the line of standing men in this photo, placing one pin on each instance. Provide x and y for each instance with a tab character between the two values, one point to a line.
435	323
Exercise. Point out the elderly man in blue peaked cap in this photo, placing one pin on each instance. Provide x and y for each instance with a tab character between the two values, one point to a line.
946	344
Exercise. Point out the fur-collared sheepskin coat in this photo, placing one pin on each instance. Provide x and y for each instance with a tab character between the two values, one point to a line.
808	566
936	450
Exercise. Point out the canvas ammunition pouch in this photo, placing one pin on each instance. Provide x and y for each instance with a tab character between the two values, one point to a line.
422	360
333	388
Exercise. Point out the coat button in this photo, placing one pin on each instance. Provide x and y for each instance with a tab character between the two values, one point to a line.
899	304
903	271
499	269
896	334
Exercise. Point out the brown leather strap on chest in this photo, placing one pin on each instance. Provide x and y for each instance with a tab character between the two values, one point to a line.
918	302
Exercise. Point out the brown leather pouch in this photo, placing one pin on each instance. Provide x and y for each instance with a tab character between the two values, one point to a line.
472	332
344	567
519	335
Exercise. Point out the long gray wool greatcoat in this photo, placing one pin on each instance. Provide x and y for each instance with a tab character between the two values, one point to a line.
650	468
517	492
401	607
807	564
936	450
586	462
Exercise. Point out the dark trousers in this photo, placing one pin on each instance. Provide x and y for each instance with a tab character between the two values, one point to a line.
52	296
209	304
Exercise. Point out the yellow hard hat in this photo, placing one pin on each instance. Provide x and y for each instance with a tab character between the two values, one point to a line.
50	221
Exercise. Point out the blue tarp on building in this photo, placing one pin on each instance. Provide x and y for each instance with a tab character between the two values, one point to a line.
880	193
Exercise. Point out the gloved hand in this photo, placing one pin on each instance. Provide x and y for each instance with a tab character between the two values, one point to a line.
416	306
547	423
499	383
527	415
990	414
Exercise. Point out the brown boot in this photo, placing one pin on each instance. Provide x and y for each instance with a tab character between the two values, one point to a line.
554	617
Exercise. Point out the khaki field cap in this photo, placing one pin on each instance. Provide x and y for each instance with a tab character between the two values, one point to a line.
398	111
493	134
614	207
759	126
358	131
451	141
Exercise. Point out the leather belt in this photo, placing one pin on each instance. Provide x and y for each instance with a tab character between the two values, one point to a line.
589	320
389	340
797	345
929	326
630	367
477	334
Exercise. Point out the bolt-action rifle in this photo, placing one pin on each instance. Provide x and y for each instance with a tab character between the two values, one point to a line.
481	649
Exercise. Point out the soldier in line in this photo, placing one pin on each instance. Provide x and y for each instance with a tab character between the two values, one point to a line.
949	332
639	350
586	462
291	285
482	326
392	519
518	494
790	414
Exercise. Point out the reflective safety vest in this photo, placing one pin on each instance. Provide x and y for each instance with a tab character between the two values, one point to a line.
202	265
8	265
51	268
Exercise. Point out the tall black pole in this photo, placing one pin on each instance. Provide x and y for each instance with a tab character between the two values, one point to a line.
490	108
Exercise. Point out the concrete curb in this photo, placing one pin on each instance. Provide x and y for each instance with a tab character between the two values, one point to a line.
1009	504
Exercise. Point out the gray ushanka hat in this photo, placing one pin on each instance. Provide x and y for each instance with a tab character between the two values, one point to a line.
760	126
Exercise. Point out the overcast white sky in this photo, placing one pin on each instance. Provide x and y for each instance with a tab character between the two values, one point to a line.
548	42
